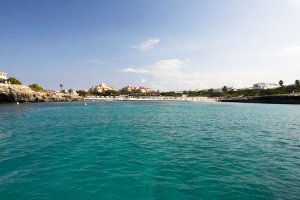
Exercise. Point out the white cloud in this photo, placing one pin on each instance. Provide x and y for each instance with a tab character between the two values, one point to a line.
146	45
143	80
95	61
291	51
295	2
163	67
171	75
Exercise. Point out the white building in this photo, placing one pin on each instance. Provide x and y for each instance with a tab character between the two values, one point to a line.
232	89
101	88
3	75
265	86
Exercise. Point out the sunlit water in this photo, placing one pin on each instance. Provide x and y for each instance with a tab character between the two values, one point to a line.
131	150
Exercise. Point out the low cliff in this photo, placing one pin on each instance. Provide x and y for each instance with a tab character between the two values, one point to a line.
274	99
21	93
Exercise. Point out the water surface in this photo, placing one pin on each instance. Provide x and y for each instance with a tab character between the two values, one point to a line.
149	150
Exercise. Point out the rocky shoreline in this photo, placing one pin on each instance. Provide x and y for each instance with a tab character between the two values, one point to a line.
10	93
273	99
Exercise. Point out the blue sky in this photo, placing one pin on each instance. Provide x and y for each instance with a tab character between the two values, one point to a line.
166	45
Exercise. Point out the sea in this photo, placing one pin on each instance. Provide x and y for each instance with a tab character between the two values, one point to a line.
149	150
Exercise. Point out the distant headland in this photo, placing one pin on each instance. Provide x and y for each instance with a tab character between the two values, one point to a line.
12	90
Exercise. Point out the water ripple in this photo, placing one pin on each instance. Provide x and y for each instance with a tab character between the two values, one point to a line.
128	150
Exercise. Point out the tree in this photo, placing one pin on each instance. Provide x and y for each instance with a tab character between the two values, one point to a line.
297	83
71	91
225	89
281	83
36	87
13	80
61	87
82	93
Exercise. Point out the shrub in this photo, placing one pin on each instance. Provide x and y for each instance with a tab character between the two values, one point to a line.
13	80
82	93
35	87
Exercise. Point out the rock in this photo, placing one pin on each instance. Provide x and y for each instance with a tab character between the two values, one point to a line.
21	93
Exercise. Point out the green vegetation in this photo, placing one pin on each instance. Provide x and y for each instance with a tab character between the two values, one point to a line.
281	83
225	89
108	93
143	94
137	94
225	92
297	83
2	80
36	87
171	94
82	93
13	80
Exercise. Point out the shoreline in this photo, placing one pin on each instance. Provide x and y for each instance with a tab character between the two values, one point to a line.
152	98
23	94
10	93
271	99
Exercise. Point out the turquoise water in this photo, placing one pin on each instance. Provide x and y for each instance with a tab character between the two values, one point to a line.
130	150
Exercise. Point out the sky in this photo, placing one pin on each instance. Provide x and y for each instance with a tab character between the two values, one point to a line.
164	45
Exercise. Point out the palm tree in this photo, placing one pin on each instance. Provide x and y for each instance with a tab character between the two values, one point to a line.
297	83
61	86
281	83
225	89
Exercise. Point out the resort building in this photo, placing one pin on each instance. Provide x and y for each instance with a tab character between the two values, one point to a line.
101	88
3	75
131	89
128	88
143	90
265	86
